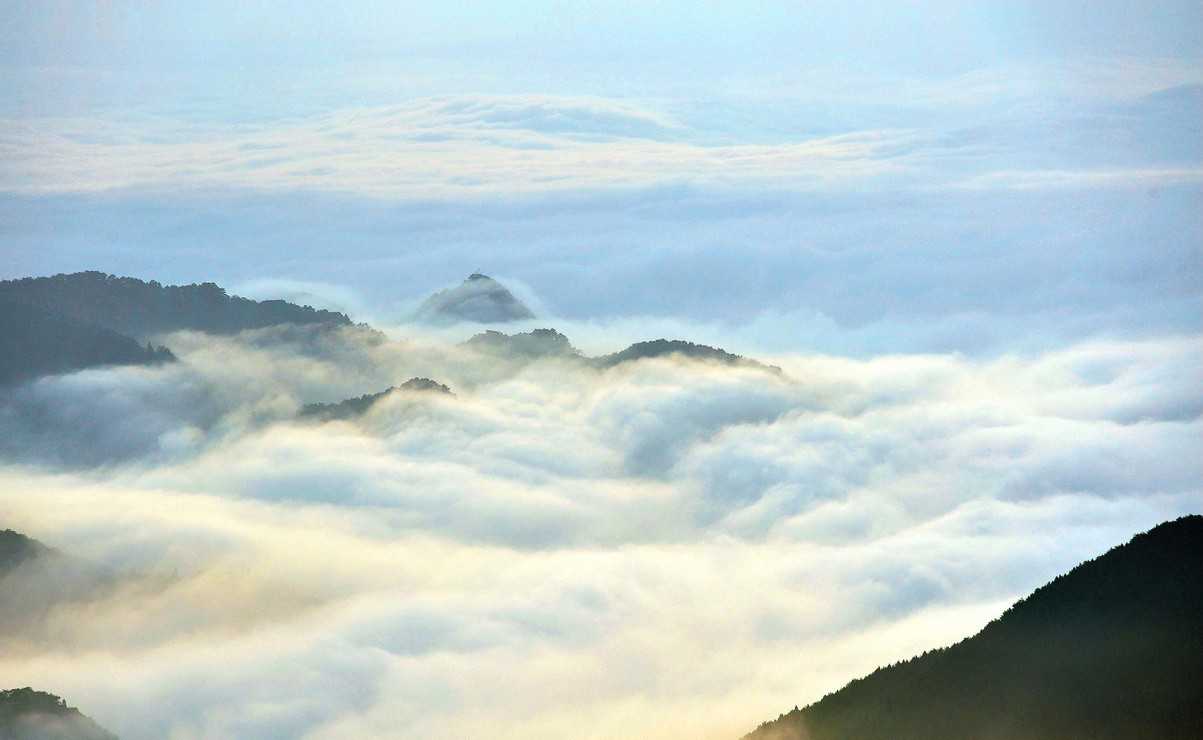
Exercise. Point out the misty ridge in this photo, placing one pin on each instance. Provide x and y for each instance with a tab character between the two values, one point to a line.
43	334
142	309
39	342
26	714
261	503
90	319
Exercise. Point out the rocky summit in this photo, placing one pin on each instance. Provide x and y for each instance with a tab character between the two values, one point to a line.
479	299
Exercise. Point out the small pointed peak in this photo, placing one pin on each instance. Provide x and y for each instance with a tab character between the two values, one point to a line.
480	299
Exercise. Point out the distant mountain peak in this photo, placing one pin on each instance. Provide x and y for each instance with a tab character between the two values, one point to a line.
479	299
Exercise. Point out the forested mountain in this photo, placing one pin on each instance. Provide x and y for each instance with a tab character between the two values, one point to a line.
141	309
26	714
35	579
16	548
35	341
532	344
1111	650
353	407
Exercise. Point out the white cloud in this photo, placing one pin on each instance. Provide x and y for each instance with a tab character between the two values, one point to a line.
1134	179
656	549
441	147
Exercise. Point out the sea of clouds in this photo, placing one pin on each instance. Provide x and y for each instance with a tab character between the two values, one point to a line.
968	234
660	549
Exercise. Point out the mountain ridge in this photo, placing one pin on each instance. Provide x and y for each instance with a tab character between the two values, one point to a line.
35	342
26	714
550	343
352	407
1111	649
141	309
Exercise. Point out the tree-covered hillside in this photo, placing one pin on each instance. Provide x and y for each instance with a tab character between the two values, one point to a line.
26	714
35	580
532	344
141	309
16	548
1111	650
35	341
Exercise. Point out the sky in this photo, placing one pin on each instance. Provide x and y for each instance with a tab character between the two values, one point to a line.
969	234
841	177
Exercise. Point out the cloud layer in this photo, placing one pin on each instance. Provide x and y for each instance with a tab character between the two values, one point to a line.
661	549
981	226
473	145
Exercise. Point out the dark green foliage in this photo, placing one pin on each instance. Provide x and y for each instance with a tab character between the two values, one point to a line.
668	347
424	384
353	407
532	344
142	309
1113	649
35	341
26	714
16	548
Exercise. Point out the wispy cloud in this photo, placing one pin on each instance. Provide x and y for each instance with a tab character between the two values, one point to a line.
430	148
502	145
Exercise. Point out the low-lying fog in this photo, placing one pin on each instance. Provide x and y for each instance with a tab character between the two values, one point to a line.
661	549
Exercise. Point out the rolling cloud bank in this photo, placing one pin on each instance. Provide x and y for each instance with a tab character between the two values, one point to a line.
663	547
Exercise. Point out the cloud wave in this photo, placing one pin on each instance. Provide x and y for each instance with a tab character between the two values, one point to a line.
658	549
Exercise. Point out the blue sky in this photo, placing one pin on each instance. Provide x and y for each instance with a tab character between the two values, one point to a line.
881	176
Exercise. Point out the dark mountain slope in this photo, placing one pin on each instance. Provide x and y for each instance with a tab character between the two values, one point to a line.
16	548
26	714
35	341
353	407
1113	649
532	344
141	309
36	579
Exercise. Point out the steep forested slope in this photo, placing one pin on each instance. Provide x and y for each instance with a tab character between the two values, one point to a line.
26	714
35	341
1112	649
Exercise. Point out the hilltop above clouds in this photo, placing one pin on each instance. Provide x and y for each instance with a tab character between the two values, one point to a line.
479	299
